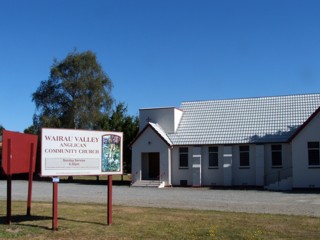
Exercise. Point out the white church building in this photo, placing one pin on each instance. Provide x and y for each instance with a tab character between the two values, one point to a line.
271	142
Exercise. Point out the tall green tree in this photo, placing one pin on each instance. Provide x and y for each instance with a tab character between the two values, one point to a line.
76	95
1	129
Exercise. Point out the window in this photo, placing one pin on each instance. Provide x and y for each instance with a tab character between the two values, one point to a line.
183	160
276	155
183	182
213	157
244	156
313	153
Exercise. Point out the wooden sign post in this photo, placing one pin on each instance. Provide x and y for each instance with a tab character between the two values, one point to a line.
55	181
9	181
69	152
32	157
109	222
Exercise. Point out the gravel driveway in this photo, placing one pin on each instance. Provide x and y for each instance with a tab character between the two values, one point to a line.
252	201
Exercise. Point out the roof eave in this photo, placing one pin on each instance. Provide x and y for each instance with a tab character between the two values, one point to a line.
143	130
299	129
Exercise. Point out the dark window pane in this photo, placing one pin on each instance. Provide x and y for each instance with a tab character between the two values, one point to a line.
276	159
183	150
183	159
313	144
244	159
244	156
183	182
213	159
213	149
313	153
244	148
313	157
276	147
276	155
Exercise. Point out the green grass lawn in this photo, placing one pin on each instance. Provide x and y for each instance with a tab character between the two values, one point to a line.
88	221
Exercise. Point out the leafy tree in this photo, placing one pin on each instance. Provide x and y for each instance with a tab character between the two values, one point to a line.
129	125
77	94
1	129
34	128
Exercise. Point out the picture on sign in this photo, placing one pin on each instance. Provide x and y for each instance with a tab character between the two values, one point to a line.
111	152
68	152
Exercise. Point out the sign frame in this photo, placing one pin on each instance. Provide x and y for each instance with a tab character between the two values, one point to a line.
74	152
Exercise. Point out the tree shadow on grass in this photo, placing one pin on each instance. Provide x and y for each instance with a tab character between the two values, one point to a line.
22	219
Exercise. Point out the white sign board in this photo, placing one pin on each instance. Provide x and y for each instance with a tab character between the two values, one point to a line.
66	152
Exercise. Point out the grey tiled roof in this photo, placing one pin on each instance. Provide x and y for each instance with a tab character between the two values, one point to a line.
247	120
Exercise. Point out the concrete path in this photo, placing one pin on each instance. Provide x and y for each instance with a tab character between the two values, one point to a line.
252	201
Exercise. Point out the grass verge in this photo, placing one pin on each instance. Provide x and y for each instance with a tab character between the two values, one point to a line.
88	221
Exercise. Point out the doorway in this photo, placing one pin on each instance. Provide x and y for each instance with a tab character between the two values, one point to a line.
150	166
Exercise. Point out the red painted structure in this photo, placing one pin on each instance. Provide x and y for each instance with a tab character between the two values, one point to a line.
18	156
21	148
55	206
109	210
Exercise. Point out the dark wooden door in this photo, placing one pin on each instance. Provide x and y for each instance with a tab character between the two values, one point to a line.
154	165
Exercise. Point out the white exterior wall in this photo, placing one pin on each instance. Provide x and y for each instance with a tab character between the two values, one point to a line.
209	177
242	176
227	165
303	176
260	158
179	174
271	172
196	167
228	172
212	176
167	118
177	117
150	141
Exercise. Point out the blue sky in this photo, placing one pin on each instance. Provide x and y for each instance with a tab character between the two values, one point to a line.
161	52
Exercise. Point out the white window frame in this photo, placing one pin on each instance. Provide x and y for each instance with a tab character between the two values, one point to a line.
313	149
275	151
214	150
244	152
182	155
